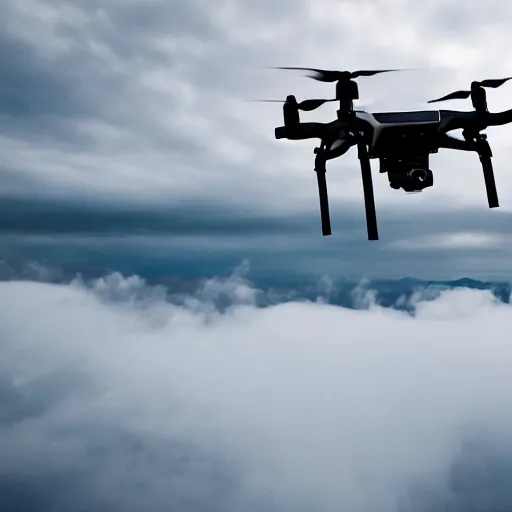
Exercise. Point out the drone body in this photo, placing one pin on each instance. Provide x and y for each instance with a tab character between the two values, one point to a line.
402	141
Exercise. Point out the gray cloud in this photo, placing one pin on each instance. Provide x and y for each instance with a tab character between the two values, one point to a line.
31	88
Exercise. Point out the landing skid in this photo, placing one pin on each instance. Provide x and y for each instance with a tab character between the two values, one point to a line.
369	199
485	154
320	169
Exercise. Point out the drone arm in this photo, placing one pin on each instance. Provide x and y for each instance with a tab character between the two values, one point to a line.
499	118
448	142
453	120
308	131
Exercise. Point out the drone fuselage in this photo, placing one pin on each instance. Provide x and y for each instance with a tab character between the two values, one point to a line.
386	133
398	127
402	141
397	134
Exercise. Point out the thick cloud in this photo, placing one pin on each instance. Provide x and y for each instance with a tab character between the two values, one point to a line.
138	404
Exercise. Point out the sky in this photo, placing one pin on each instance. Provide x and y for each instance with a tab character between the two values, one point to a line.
123	107
149	361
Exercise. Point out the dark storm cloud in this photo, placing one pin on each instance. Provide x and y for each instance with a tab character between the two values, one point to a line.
40	216
210	236
33	217
39	98
31	87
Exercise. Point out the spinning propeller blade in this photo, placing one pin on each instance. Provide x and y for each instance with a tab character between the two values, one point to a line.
457	95
324	75
306	105
309	105
493	82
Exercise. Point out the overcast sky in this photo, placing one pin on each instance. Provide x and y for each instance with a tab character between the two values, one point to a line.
147	101
127	138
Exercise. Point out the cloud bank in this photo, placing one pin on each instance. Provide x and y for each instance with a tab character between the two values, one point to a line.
114	399
190	237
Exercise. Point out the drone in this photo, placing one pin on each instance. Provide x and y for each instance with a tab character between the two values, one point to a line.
402	141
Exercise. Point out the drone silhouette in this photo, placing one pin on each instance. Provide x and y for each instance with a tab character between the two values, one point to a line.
402	141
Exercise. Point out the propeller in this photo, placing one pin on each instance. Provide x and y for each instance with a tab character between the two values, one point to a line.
460	95
309	105
324	75
306	105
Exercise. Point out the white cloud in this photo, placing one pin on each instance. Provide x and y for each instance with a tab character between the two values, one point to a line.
310	405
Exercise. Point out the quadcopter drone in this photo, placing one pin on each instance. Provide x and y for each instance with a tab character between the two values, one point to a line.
402	141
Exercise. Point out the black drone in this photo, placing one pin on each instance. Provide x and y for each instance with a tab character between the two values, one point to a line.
402	141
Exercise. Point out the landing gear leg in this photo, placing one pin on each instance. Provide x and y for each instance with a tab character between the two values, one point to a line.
369	199
485	154
320	169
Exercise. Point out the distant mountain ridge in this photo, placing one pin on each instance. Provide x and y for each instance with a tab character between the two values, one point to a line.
391	290
398	293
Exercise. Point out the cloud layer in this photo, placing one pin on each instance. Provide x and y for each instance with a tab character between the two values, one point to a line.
137	404
210	238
